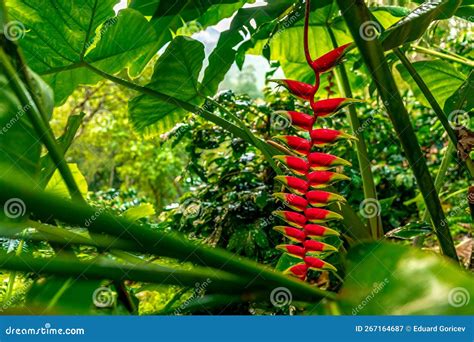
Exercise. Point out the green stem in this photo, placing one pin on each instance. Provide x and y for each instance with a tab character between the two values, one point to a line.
450	57
370	192
256	141
106	269
375	60
443	168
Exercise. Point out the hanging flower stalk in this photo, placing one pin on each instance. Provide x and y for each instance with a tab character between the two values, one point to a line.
313	169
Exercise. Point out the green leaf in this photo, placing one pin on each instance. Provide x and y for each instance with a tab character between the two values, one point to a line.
126	41
176	74
462	98
57	186
60	36
223	56
61	295
441	78
414	25
139	212
389	279
410	230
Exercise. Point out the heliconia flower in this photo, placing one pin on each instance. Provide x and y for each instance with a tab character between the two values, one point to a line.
294	234
323	136
330	59
293	250
294	184
321	179
300	120
324	161
318	264
294	219
298	165
302	90
317	215
299	270
317	246
293	201
327	107
296	144
319	198
315	230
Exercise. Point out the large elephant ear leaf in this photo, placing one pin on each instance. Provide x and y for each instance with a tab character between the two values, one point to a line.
61	35
414	25
176	75
390	279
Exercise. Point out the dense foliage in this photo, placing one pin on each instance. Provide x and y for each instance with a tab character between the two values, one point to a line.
136	161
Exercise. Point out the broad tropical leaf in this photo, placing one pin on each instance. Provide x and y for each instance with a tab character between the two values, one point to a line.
176	74
60	36
441	77
414	25
381	273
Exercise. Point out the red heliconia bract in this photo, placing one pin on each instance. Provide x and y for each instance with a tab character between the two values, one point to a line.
330	106
315	230
302	90
311	167
319	198
324	136
296	164
293	201
323	161
299	145
299	271
330	60
297	119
